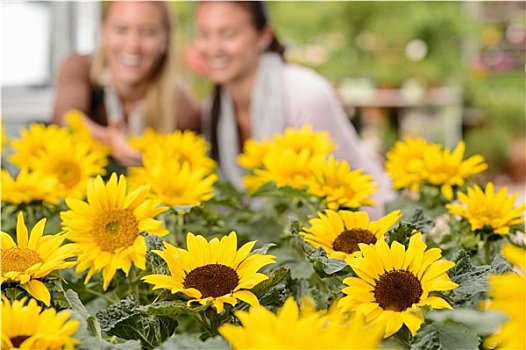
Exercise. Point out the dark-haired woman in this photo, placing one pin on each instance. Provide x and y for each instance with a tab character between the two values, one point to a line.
258	94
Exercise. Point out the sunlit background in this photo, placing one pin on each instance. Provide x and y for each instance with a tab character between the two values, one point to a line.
443	70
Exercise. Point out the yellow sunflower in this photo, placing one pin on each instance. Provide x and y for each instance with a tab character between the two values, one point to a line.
172	182
32	141
180	146
340	232
340	186
285	168
405	163
392	284
253	153
297	140
106	229
508	295
485	209
72	163
30	327
298	327
212	272
317	143
446	169
28	187
33	257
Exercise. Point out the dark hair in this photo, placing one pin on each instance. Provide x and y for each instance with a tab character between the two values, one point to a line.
260	19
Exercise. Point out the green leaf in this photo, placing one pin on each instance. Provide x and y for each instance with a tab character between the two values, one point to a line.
117	312
326	267
154	262
274	279
125	320
93	325
472	280
188	342
414	219
445	336
171	308
482	323
264	249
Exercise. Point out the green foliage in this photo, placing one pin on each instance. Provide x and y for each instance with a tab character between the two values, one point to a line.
125	320
325	266
33	213
444	336
472	279
415	219
186	341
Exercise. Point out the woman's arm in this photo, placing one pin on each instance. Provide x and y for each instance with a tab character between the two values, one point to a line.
72	88
73	91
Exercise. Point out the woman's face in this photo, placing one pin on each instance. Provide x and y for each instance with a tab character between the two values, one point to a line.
227	41
135	39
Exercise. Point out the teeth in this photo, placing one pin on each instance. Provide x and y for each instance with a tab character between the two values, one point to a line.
128	59
218	62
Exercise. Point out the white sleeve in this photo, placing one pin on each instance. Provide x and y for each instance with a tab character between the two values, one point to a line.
312	100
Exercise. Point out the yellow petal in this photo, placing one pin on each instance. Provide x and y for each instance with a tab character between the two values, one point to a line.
21	231
38	290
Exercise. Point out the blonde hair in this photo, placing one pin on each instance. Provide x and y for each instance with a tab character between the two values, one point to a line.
159	103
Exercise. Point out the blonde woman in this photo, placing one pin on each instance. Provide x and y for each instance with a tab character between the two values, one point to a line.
129	84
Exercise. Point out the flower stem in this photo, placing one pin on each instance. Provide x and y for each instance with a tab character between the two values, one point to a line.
102	295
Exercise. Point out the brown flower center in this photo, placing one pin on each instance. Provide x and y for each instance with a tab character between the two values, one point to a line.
347	241
19	259
212	280
115	228
18	340
397	290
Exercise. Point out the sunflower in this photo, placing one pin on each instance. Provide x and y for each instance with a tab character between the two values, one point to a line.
317	143
485	209
212	272
30	327
508	295
106	229
34	140
340	232
297	140
172	182
298	327
446	169
340	186
72	163
392	284
28	187
180	146
33	257
253	153
285	168
405	163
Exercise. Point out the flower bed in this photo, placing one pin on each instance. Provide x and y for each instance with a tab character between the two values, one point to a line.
170	256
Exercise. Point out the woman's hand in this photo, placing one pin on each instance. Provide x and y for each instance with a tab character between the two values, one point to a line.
114	135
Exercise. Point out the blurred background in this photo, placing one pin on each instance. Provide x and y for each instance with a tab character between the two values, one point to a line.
447	71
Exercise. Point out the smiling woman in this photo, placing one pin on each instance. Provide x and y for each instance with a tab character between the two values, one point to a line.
258	94
129	84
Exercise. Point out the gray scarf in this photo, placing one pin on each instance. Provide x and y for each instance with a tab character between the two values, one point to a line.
267	115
